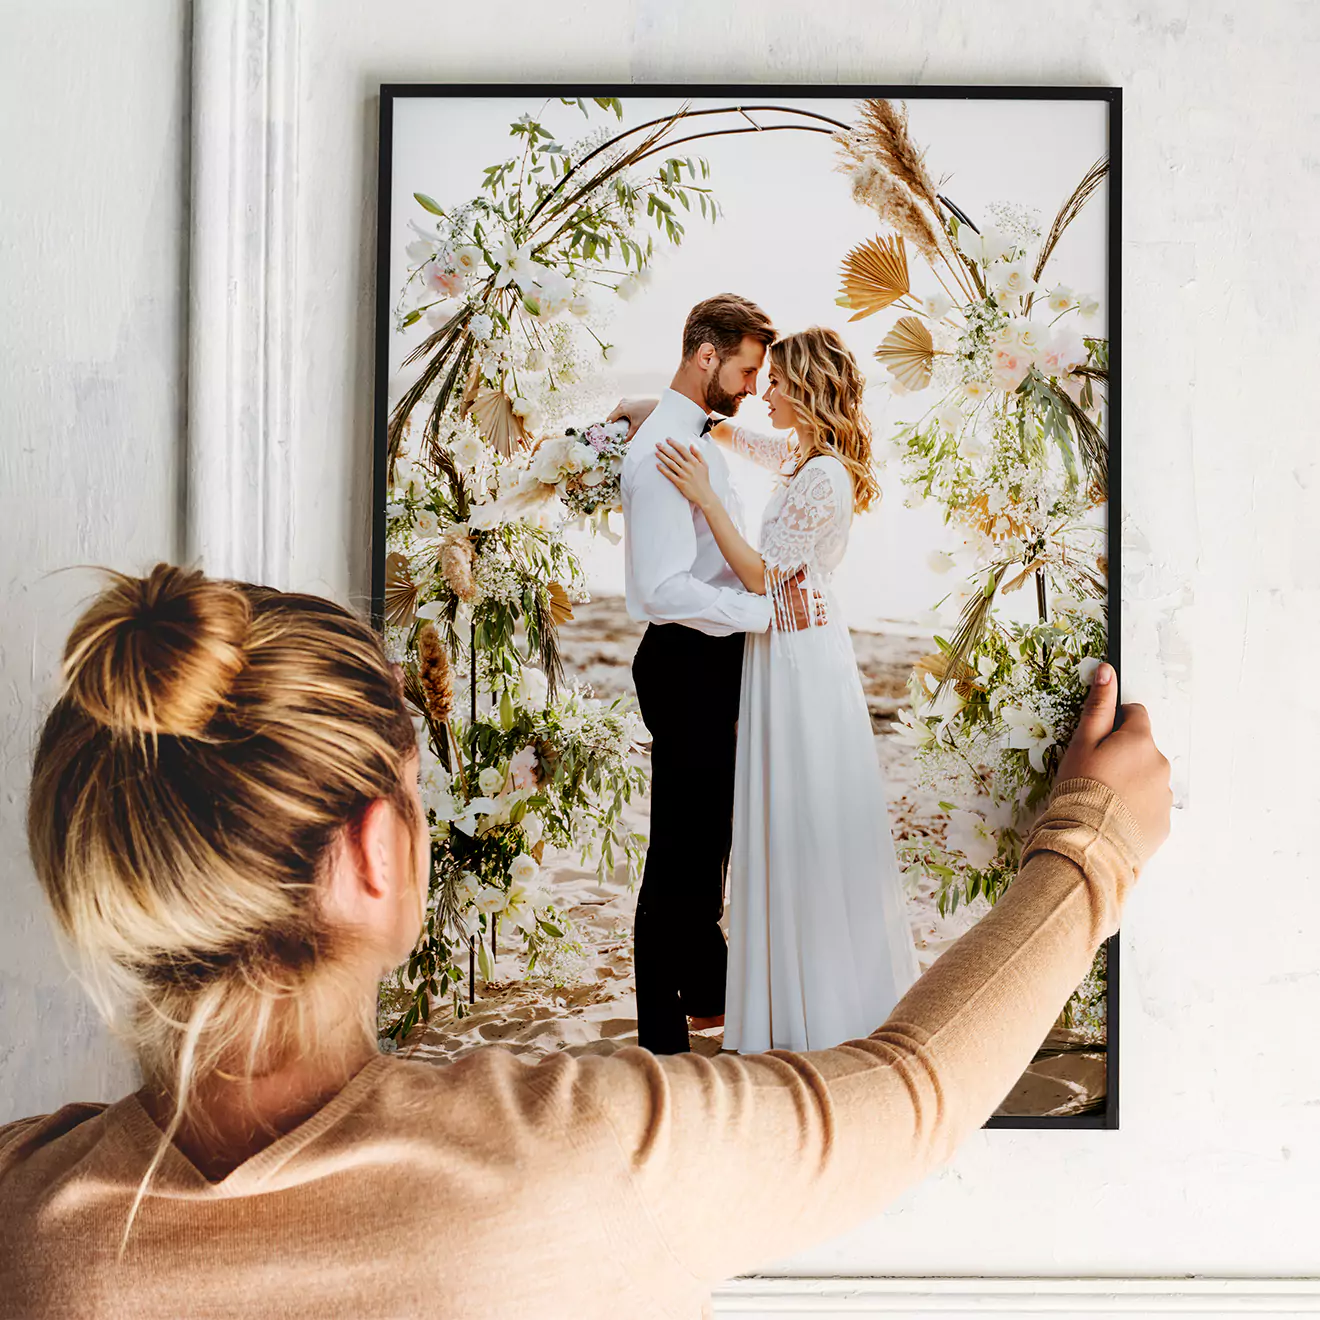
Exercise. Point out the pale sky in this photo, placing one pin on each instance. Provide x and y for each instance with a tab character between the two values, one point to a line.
788	222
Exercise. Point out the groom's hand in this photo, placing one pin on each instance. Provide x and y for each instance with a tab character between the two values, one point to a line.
634	412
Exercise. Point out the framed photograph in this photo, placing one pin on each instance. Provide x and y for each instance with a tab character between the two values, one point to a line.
743	525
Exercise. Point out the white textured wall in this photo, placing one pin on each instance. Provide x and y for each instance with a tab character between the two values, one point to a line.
1219	1152
93	170
1215	1167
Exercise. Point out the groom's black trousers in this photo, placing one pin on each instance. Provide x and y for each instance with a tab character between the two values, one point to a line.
688	685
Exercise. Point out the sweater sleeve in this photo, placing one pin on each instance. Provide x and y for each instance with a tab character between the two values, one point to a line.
741	1160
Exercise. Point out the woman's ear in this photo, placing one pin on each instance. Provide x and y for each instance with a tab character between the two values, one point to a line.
364	867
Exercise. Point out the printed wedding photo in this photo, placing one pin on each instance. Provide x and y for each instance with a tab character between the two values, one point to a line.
743	534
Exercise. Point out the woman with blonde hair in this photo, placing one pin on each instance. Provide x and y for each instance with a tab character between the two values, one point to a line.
225	817
819	940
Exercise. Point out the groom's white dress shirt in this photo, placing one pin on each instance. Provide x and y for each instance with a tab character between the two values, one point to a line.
674	571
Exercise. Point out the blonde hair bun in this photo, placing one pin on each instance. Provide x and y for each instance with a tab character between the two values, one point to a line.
158	655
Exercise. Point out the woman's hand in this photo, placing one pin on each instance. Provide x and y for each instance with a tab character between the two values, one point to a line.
634	412
686	468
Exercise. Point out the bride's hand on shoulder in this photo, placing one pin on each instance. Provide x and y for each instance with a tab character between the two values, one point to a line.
634	412
685	467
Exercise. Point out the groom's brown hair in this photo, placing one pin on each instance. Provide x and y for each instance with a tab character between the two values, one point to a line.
724	321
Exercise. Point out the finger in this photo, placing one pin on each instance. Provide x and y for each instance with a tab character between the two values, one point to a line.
618	415
1097	720
1136	719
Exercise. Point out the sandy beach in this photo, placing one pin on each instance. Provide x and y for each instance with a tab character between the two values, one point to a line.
585	1002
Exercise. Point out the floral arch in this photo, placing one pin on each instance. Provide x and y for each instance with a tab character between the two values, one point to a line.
481	486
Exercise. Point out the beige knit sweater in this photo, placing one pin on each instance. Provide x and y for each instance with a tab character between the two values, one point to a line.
619	1186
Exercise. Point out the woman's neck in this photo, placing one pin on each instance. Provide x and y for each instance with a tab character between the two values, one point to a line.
228	1123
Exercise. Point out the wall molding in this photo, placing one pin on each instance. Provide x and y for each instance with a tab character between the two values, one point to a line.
242	285
817	1298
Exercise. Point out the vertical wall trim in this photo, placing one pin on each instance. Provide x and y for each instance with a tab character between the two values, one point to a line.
241	358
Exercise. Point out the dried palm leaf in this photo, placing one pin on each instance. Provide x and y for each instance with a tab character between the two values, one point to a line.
400	590
1024	575
937	665
875	274
977	513
1069	211
561	609
971	627
492	410
908	351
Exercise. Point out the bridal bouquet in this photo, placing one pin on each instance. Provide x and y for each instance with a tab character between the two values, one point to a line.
584	467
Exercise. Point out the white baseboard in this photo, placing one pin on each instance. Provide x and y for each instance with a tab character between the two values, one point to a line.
1187	1297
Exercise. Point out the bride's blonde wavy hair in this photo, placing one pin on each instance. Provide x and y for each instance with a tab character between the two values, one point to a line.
819	375
211	741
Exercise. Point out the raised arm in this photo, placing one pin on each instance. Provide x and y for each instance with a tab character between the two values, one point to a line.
768	450
739	1161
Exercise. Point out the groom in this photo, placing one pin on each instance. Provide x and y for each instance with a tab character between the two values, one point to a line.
688	672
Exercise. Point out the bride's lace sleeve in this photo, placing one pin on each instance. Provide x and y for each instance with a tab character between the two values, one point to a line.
767	451
805	540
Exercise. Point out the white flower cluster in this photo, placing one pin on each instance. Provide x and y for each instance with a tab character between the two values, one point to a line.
585	467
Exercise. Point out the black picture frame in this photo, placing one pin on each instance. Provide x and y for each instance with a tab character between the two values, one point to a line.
1108	1118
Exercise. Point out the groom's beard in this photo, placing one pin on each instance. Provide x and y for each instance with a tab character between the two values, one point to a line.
720	402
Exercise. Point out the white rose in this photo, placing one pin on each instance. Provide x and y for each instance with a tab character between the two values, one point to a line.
643	277
1061	298
1088	307
485	516
1013	278
1068	347
521	407
578	457
524	869
537	359
938	305
627	288
554	293
468	451
976	390
580	304
938	561
533	689
426	524
969	834
594	477
546	464
533	828
532	419
949	416
490	780
1028	335
481	327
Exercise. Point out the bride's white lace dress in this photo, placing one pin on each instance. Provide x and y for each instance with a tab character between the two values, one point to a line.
820	947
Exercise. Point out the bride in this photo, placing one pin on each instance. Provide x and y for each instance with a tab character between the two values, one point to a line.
819	943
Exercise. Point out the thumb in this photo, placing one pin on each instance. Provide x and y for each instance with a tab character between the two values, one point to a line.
1097	720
